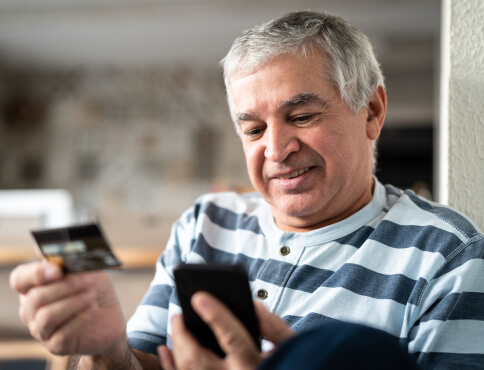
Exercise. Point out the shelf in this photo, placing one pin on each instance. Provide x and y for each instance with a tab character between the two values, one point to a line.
132	257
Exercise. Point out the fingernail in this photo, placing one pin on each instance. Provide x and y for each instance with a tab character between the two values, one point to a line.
262	310
201	302
174	318
50	272
161	351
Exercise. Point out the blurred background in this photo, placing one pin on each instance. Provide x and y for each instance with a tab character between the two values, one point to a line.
114	111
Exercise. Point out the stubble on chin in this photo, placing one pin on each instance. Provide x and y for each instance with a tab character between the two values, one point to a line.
294	209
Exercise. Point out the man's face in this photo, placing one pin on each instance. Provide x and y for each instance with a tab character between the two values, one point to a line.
307	154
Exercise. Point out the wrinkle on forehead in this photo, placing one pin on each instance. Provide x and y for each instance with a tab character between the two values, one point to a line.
303	98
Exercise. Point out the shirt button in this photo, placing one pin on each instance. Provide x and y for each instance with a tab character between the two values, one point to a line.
284	251
262	294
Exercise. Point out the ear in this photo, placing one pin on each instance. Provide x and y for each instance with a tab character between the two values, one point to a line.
377	108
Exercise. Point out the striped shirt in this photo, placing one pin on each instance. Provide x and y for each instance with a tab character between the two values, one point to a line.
401	264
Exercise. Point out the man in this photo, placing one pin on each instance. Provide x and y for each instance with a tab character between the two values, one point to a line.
322	239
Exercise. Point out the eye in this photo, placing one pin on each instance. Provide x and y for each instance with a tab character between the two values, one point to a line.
253	133
303	118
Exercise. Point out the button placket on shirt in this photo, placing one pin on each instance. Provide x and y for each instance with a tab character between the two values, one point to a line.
262	294
282	253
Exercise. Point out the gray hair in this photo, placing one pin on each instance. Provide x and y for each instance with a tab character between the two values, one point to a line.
351	65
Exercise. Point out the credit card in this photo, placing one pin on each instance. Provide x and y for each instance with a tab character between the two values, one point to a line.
76	248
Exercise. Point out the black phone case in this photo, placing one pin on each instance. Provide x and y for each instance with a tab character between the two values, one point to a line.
230	284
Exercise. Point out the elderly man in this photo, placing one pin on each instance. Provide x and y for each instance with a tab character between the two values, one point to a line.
322	239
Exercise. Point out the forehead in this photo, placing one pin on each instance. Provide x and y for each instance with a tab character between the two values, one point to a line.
280	80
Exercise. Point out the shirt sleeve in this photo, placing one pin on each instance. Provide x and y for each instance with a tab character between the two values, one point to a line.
147	328
448	334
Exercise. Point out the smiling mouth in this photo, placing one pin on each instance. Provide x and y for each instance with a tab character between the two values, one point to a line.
294	174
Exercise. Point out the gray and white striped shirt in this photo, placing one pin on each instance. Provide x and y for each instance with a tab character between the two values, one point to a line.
401	264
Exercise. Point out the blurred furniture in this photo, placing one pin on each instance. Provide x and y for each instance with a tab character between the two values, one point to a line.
23	351
52	207
22	211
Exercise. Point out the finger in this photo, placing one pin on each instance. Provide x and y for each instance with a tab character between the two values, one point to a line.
232	336
25	276
50	317
39	296
182	339
93	330
166	358
272	327
65	340
187	352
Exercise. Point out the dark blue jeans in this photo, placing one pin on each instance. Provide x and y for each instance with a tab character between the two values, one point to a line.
337	346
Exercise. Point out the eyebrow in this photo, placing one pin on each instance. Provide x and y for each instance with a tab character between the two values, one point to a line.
303	98
245	116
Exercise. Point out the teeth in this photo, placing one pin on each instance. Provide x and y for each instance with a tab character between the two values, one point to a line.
294	174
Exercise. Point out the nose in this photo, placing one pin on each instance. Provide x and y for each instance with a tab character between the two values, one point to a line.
280	143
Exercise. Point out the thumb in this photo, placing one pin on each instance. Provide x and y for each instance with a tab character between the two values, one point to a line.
229	331
272	327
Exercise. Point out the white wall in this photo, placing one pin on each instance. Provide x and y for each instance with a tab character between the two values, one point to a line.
463	105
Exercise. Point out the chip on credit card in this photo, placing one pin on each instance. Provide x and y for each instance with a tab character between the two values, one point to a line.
76	248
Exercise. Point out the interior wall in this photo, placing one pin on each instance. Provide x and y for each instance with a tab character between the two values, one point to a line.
465	87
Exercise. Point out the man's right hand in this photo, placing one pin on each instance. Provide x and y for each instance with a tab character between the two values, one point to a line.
70	314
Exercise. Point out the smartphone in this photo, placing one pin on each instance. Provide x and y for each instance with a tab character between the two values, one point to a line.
230	284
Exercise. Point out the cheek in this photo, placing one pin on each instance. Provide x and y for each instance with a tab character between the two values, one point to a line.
350	154
254	158
336	151
329	147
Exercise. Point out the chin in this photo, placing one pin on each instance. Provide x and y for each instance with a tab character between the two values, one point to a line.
296	209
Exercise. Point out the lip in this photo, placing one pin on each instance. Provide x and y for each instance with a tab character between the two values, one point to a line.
285	181
292	174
